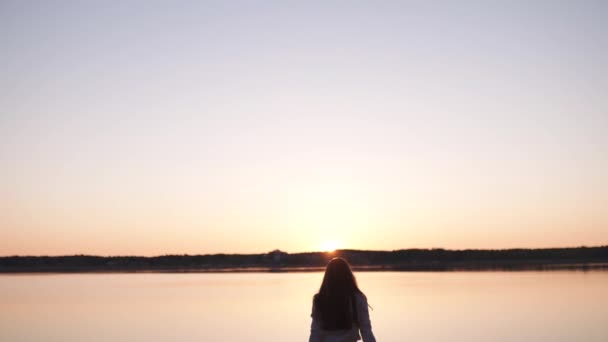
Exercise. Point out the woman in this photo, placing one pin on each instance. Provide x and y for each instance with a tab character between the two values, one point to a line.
339	310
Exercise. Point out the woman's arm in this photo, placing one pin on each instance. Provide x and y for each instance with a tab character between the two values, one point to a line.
365	324
315	328
315	332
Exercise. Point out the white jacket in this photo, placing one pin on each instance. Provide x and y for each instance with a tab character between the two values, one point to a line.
352	335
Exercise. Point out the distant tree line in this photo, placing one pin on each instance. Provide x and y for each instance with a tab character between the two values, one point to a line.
398	260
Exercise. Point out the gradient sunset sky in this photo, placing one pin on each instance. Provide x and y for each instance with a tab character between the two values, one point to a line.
155	127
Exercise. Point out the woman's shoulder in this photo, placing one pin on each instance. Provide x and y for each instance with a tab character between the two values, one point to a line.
360	294
360	297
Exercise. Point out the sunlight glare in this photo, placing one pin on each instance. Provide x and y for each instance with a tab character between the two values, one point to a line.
329	246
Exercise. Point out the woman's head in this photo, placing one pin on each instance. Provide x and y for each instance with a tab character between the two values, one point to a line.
338	278
334	304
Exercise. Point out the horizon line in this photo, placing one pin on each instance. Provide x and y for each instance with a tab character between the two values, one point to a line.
304	252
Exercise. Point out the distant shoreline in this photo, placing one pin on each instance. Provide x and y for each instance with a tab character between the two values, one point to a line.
544	268
407	260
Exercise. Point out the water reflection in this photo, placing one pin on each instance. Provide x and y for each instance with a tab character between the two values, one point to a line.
452	306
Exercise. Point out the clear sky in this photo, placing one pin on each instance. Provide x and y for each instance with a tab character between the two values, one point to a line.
153	127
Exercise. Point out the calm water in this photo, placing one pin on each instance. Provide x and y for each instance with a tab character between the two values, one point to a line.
456	306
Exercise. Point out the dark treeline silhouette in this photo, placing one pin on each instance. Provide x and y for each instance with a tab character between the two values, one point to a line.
277	261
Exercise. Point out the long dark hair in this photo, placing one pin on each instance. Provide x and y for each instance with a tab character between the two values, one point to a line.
334	305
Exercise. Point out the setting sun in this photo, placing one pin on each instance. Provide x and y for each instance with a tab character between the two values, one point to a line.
329	246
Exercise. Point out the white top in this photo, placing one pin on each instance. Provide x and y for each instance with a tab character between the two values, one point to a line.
352	335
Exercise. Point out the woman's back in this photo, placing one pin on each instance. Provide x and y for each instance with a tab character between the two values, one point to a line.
340	309
360	329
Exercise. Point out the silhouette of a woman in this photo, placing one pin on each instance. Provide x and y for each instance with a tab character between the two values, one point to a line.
339	310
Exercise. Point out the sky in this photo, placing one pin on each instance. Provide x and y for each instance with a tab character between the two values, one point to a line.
174	127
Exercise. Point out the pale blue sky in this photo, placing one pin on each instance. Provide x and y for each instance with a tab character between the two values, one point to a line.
150	127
